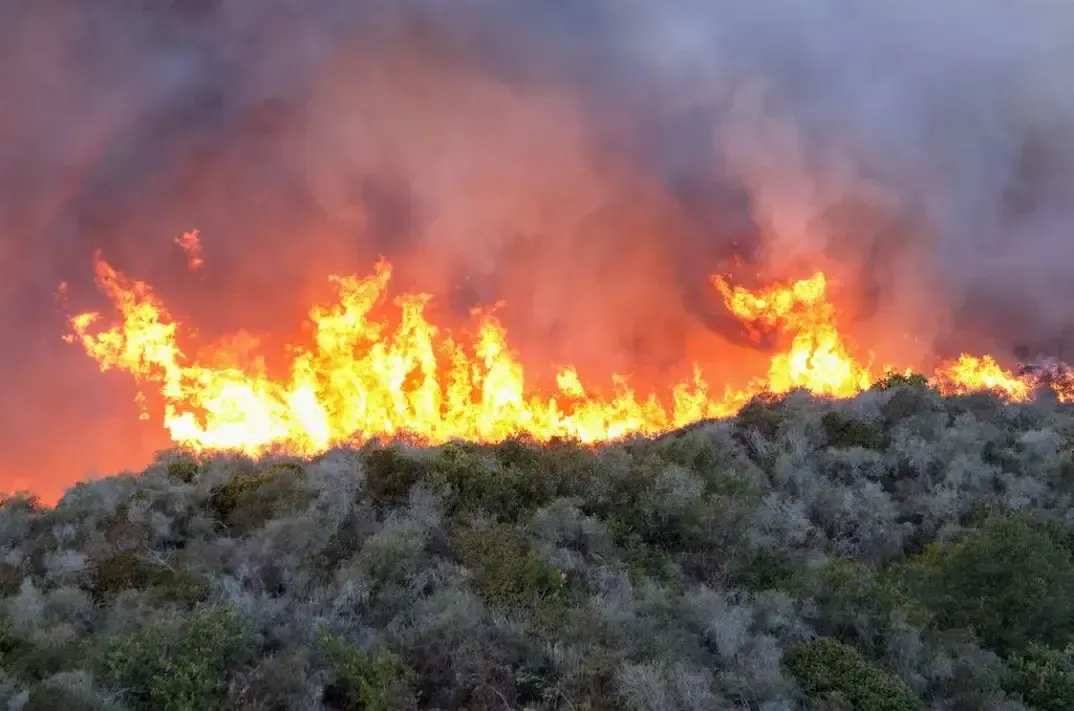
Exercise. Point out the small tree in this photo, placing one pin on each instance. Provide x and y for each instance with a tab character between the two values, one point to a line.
1044	676
828	668
180	667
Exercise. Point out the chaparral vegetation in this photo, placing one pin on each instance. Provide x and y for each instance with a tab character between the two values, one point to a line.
900	550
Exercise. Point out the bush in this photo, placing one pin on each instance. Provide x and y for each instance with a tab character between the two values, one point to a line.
363	684
763	414
1043	676
828	668
390	474
248	501
130	571
180	667
475	485
70	691
507	574
27	661
184	468
899	380
855	603
10	579
1009	582
845	432
276	681
760	569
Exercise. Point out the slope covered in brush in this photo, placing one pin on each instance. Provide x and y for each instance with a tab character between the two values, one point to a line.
901	550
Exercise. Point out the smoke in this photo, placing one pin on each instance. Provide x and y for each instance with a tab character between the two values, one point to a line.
588	163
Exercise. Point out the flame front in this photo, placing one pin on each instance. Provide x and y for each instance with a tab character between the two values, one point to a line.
816	359
361	378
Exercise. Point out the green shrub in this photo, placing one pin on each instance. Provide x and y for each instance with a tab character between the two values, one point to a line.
641	562
908	402
857	602
48	697
123	571
180	667
693	451
899	380
248	501
22	659
507	573
623	507
119	530
759	569
71	691
10	579
985	406
184	468
393	555
363	684
763	414
1009	582
128	570
473	485
20	502
390	474
845	432
1043	676
540	472
827	667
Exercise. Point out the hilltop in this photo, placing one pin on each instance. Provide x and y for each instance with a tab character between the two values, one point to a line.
898	550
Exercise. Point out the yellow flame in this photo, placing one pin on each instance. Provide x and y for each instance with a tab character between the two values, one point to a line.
361	378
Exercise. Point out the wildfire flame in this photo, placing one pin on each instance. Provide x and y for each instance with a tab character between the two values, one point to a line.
362	378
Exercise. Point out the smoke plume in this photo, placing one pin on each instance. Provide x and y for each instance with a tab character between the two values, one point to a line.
588	163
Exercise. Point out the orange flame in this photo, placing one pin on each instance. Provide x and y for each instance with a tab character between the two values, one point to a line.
361	379
982	373
817	358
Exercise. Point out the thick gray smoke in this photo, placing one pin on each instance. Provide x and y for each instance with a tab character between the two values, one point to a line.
589	162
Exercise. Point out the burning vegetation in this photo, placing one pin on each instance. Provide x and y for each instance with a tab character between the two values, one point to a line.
679	355
367	374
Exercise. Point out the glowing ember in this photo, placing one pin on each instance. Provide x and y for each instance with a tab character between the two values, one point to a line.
360	378
190	243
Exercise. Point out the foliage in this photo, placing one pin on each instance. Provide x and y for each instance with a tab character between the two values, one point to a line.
184	468
507	573
129	570
384	683
247	501
843	431
828	668
1009	581
180	667
900	380
900	550
1044	677
24	659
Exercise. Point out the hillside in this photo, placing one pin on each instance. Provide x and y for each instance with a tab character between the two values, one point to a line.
901	550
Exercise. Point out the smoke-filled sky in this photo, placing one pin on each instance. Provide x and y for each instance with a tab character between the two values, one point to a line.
589	162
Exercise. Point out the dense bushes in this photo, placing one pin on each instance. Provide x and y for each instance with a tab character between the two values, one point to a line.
833	672
180	665
902	550
508	575
1044	677
1009	582
364	684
